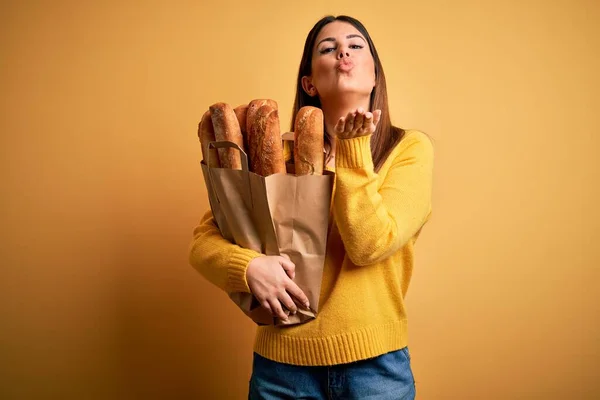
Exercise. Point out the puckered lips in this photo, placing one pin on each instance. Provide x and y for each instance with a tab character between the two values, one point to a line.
345	65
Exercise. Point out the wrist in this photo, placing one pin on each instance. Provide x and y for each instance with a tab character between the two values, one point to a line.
354	152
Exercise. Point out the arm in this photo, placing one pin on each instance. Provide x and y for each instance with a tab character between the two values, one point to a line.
222	263
374	223
235	269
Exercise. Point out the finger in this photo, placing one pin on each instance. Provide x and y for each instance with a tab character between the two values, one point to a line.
376	117
287	301
349	122
276	308
368	120
339	126
295	291
291	273
288	266
266	306
360	119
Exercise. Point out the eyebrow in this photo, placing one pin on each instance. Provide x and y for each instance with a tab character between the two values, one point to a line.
330	39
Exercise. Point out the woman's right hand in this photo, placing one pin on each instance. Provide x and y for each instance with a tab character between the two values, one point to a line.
270	280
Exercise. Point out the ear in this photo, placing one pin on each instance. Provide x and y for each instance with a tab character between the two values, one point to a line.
308	87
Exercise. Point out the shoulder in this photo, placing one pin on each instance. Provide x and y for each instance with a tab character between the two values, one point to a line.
414	143
415	137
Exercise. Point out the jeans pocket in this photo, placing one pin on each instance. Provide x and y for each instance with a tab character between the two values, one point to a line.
406	352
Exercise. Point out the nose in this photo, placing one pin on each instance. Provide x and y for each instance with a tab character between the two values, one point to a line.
343	54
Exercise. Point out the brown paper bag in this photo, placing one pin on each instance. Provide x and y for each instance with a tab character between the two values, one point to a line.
274	215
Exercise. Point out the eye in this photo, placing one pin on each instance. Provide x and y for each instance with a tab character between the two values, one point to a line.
356	46
327	50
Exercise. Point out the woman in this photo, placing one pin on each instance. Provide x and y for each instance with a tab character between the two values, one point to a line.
357	346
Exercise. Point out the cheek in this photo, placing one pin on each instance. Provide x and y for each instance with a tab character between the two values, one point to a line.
369	64
369	68
320	71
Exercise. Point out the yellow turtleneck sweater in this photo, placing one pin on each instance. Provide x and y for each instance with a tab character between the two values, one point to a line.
376	219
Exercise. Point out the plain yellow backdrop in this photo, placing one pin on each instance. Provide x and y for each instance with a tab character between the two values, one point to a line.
101	188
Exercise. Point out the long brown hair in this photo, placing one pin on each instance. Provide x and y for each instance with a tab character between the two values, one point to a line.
386	135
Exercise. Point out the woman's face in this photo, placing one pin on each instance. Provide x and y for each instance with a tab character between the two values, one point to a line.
342	63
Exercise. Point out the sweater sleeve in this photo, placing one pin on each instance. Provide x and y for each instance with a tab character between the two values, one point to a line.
376	221
221	262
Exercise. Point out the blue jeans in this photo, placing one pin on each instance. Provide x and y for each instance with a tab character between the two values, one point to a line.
388	376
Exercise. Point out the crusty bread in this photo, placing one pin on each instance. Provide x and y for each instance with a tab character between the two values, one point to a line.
309	141
264	143
206	134
253	107
227	128
241	112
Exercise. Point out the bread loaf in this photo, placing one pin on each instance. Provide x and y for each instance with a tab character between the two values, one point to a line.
309	141
227	128
264	142
241	112
253	107
206	134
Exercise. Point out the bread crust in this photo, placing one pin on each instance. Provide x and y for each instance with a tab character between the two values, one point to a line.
227	128
241	113
264	142
253	107
206	134
309	141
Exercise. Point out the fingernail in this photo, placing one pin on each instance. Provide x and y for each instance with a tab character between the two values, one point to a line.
307	304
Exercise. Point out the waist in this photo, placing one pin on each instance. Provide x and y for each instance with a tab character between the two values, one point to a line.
325	344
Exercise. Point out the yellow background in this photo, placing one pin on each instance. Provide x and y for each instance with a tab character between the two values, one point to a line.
101	188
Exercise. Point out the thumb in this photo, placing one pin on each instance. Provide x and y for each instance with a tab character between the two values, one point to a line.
376	116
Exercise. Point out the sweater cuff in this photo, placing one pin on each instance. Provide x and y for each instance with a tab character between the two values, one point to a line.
353	153
238	264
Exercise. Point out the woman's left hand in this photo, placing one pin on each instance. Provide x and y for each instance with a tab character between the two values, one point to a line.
357	123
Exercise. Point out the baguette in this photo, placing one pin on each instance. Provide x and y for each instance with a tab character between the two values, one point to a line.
264	143
309	141
206	134
253	107
241	112
227	128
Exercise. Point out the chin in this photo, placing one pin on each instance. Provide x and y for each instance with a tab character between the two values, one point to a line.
349	89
